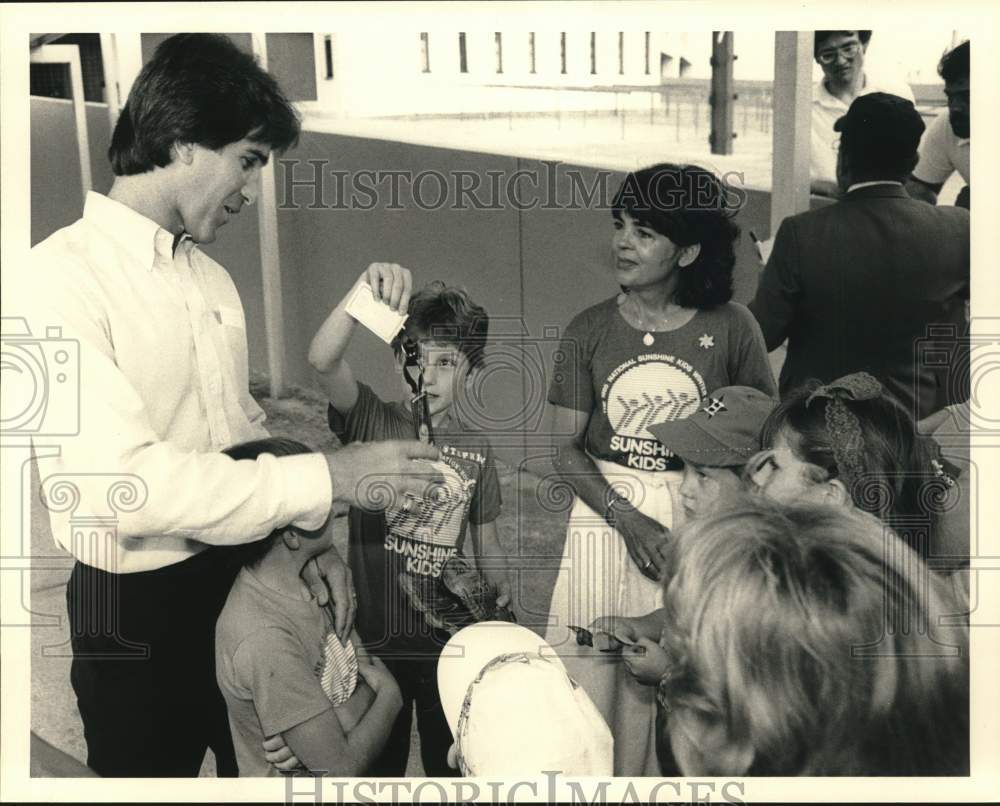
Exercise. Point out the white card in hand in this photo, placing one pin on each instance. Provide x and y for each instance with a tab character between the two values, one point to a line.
377	316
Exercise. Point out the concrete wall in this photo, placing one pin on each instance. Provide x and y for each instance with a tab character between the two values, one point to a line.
290	59
56	198
533	269
56	195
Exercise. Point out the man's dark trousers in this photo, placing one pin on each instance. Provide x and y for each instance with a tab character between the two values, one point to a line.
144	667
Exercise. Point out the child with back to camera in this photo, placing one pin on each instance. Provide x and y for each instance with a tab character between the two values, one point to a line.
800	641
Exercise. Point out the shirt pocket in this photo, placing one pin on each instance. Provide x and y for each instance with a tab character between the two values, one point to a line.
231	316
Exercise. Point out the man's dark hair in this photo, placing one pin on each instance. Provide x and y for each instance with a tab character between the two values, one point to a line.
819	37
252	553
689	205
954	65
199	88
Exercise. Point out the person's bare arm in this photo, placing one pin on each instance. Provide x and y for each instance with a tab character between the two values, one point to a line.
631	628
321	744
358	704
825	188
491	559
390	283
48	761
923	191
645	539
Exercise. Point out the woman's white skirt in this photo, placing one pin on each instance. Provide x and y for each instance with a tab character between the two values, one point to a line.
597	577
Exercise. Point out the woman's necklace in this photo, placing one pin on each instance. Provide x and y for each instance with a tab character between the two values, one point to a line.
649	324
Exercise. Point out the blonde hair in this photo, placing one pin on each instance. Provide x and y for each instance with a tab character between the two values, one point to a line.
804	630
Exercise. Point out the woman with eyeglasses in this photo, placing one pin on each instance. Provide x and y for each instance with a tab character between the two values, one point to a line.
800	640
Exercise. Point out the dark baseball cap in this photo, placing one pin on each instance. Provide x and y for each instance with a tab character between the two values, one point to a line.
882	117
723	432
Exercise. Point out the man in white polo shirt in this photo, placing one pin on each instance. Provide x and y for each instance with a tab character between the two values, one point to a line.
163	390
841	54
944	148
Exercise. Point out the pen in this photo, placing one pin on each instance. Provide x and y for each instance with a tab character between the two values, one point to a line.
756	245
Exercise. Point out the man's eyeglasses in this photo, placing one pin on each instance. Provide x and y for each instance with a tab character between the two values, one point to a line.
848	51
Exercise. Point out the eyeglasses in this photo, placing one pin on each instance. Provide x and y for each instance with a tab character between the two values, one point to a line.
848	51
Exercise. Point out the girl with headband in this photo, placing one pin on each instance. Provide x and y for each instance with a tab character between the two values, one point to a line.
849	442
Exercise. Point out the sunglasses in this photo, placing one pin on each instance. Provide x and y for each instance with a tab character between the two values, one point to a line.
602	640
413	371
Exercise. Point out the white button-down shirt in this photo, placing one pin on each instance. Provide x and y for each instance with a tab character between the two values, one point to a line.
158	340
826	110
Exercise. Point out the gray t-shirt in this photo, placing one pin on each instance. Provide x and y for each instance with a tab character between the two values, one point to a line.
269	660
603	367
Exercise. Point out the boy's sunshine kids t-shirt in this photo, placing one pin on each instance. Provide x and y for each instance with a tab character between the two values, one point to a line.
416	540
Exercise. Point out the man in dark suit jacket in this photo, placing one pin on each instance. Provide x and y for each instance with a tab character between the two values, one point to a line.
862	284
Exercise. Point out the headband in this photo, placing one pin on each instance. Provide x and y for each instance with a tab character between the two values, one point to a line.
842	425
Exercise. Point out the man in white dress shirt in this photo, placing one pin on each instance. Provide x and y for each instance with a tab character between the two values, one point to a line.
841	54
944	148
163	389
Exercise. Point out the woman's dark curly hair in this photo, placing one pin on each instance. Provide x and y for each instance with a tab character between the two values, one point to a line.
688	205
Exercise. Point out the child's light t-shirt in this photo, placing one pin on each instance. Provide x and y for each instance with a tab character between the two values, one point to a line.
271	658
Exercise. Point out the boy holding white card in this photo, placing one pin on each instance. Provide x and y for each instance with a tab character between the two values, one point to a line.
393	554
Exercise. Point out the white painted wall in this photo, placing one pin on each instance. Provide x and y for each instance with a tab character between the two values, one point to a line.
381	74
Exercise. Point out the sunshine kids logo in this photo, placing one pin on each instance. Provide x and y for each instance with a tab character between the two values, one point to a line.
428	536
645	391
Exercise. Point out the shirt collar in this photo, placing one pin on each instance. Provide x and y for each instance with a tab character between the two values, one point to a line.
859	185
824	97
144	239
